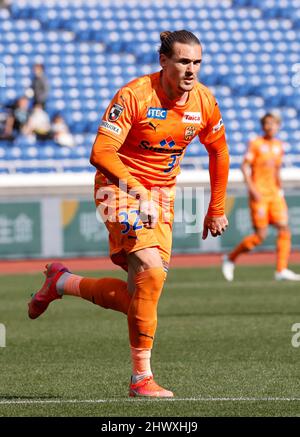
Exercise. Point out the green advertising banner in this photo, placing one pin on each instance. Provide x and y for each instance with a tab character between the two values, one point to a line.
20	229
82	232
27	229
240	223
187	220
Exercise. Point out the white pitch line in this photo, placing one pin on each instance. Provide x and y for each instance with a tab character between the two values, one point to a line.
104	401
217	284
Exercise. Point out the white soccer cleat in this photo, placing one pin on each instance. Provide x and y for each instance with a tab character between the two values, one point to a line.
287	275
228	268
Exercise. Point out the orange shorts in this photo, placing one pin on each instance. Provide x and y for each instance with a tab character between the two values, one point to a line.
270	210
120	213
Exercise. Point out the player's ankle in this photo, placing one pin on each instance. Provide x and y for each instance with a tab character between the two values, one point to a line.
139	377
60	284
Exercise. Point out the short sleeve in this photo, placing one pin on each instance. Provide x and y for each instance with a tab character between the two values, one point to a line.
120	115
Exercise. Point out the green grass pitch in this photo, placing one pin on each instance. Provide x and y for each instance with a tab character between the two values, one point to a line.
224	349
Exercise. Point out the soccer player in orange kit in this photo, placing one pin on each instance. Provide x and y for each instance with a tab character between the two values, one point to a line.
140	142
267	203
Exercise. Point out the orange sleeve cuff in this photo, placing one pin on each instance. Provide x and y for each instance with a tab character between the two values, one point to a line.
218	170
105	158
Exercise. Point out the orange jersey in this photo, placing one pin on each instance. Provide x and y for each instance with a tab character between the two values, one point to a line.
265	157
152	133
143	137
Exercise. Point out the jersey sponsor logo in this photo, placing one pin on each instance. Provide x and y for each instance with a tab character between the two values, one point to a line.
109	126
159	113
192	117
144	144
189	133
154	126
218	126
168	141
115	112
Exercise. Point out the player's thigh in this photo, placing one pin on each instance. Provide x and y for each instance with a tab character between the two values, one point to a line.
259	212
156	251
144	259
278	211
131	279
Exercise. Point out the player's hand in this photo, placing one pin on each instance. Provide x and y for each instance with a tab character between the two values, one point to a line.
216	226
148	213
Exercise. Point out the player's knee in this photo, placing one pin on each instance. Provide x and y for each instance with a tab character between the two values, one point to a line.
145	259
156	278
261	235
284	231
149	285
283	227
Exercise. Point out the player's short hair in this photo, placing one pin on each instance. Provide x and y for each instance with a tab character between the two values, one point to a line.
39	65
169	38
270	115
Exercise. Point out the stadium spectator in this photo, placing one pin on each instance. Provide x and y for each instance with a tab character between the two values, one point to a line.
5	4
39	85
38	123
261	170
60	132
142	137
16	119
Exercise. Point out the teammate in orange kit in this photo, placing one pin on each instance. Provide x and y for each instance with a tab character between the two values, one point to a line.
140	142
267	203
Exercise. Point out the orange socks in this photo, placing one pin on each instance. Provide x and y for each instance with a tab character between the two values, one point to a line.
142	312
141	308
247	244
283	249
106	292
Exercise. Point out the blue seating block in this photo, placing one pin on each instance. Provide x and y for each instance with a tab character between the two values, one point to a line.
90	49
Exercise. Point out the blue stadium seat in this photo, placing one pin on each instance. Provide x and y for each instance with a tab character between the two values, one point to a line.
92	48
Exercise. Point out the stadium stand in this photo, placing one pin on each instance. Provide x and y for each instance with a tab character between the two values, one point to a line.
91	48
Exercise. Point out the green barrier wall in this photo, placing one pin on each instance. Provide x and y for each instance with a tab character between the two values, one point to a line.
56	227
20	229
